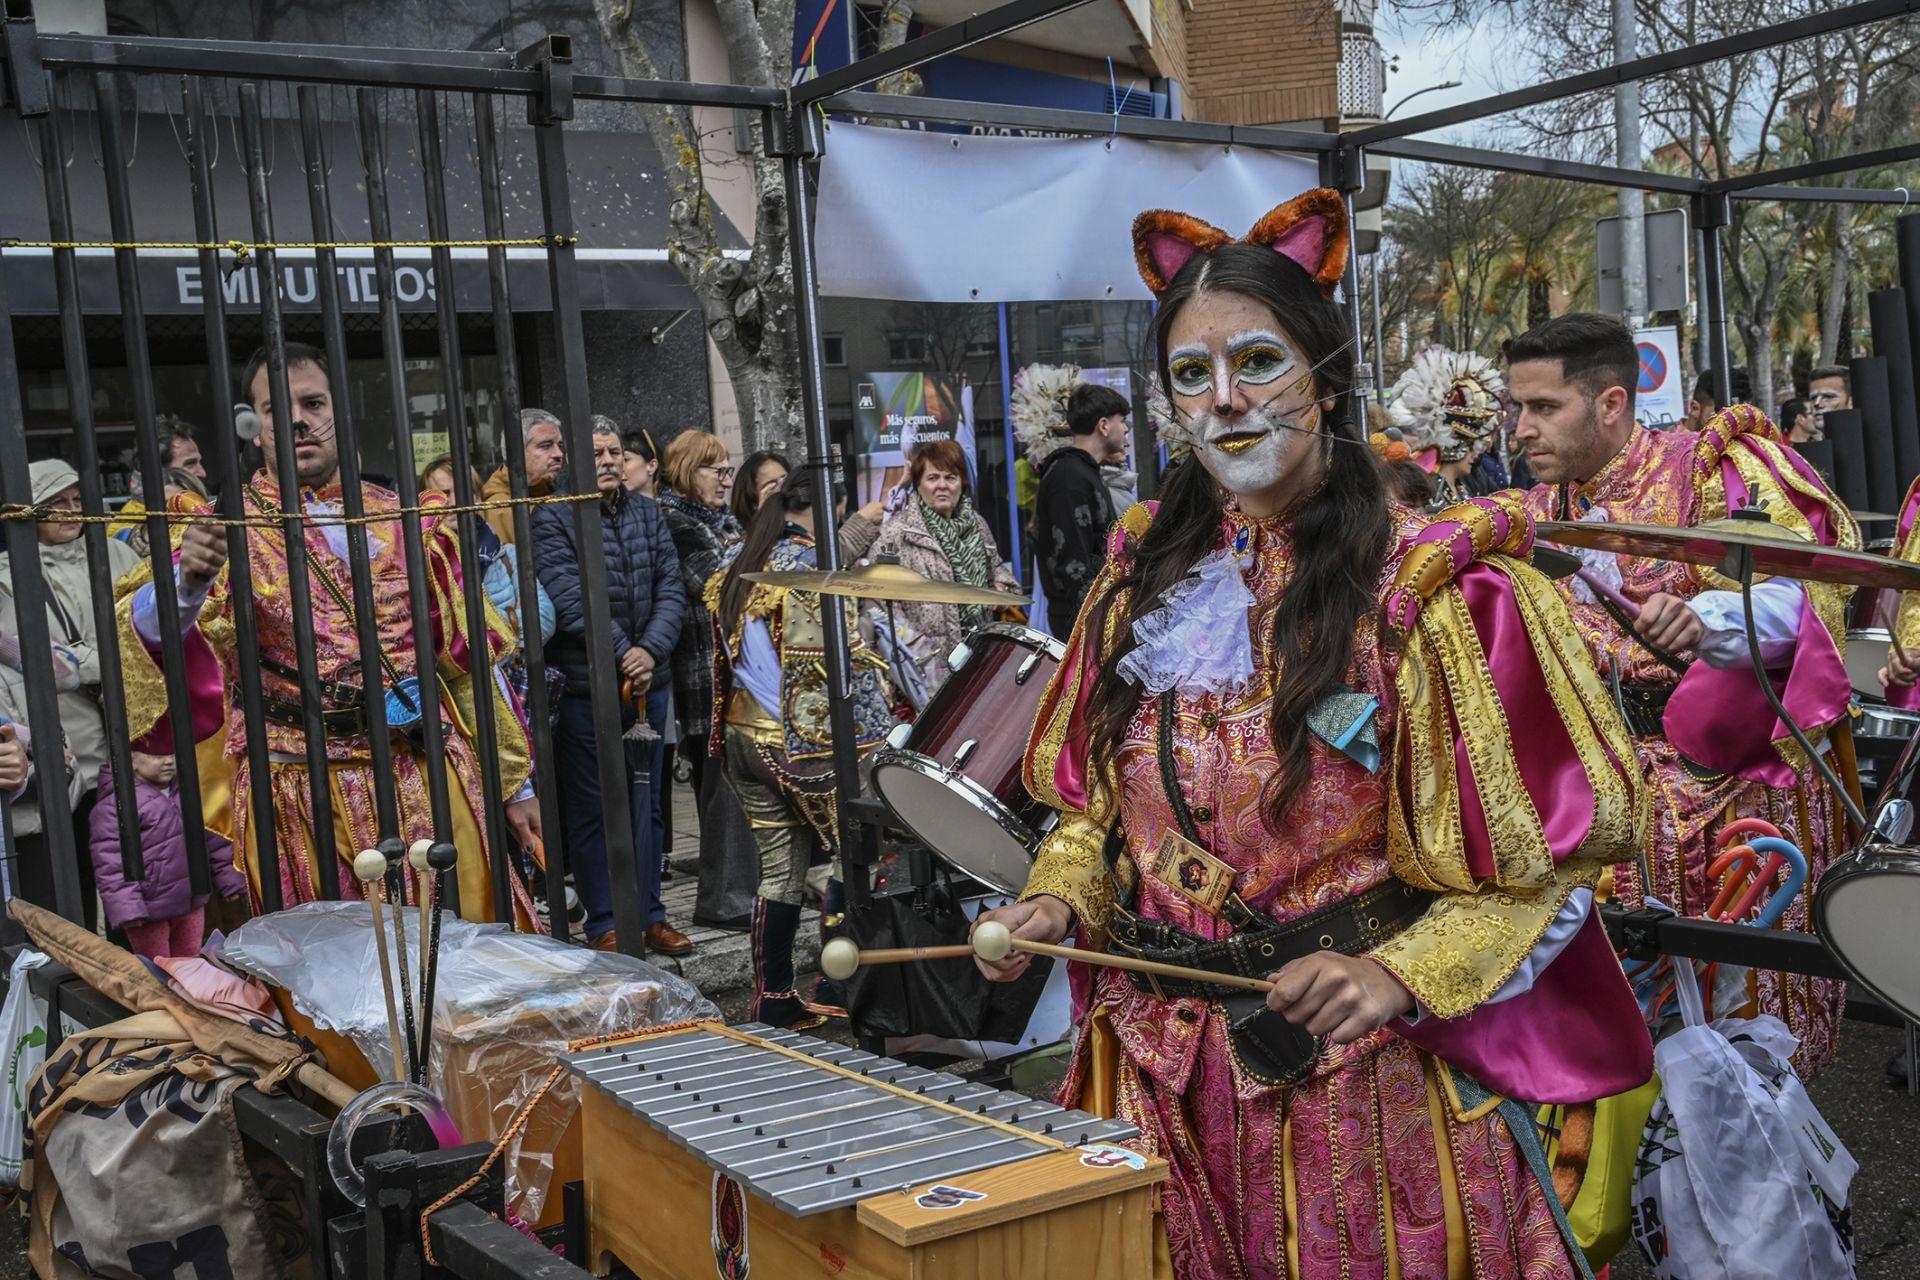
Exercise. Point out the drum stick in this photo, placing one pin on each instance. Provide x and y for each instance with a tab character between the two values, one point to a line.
371	870
395	884
1880	608
992	941
1620	602
423	894
841	956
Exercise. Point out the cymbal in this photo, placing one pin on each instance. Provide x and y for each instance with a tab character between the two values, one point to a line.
1873	515
1777	551
887	582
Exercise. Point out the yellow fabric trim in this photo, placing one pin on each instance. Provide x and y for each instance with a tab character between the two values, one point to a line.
1100	1091
1906	623
1290	1191
1461	1111
1459	1263
1070	865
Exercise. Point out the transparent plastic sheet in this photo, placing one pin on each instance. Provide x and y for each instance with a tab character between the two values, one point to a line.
505	1006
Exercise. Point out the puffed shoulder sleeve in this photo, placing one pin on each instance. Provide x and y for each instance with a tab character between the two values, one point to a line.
1512	781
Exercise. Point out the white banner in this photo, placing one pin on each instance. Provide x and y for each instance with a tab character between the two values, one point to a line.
928	217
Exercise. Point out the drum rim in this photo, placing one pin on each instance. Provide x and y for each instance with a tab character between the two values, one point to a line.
1872	859
1020	632
996	811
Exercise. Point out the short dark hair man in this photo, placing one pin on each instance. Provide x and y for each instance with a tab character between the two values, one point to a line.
1573	379
1830	387
1073	508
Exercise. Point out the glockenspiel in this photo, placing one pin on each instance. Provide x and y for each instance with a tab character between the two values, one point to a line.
737	1150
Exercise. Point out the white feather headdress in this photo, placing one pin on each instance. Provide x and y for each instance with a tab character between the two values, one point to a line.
1443	389
1039	408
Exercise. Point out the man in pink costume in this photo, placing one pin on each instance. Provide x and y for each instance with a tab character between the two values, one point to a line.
1404	831
1902	671
461	667
1710	746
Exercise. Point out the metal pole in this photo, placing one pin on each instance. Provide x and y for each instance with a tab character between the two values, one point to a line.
133	323
1379	343
539	712
1013	442
78	370
352	495
326	867
547	112
1626	130
1710	214
433	747
479	649
794	137
36	641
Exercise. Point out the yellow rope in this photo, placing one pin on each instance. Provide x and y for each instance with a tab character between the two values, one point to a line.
242	249
15	511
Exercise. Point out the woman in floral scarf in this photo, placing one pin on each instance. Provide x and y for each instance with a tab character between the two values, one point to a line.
938	534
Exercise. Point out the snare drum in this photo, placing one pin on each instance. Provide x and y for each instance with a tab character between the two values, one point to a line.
952	777
1870	617
1866	902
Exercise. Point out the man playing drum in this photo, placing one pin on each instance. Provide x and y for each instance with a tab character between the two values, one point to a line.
1710	747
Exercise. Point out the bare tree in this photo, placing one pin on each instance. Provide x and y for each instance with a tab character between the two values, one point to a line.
746	301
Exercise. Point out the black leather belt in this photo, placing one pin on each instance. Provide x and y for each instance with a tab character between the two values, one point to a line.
1265	1045
1645	708
335	722
340	694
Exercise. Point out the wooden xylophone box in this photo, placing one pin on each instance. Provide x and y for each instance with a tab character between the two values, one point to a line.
751	1151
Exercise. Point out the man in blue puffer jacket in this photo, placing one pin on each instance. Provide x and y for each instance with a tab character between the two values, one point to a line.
645	599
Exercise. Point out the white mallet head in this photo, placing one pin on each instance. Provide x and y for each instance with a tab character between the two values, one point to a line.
839	958
417	855
992	941
370	865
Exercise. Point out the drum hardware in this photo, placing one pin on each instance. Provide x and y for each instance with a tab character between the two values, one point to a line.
1768	548
897	736
960	756
886	582
958	658
1027	668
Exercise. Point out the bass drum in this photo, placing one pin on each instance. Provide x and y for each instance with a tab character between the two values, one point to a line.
952	777
1870	616
1866	904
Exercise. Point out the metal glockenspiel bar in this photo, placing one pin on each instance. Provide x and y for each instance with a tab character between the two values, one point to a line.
814	1126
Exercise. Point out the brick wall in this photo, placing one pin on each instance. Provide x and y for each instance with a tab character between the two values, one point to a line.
1262	61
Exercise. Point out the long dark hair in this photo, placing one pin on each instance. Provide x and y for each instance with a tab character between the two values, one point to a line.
1341	532
746	494
768	525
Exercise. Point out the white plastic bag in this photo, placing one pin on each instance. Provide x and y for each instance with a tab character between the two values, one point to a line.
1738	1175
23	1036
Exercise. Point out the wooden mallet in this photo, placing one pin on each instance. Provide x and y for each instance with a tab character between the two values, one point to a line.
993	941
370	868
423	895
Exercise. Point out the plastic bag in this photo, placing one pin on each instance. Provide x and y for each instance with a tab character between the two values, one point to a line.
23	1036
1601	1214
506	1005
1738	1174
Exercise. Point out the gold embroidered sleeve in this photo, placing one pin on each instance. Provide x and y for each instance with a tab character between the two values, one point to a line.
141	673
1467	944
1071	865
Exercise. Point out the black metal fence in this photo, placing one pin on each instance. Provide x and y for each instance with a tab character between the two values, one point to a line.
62	85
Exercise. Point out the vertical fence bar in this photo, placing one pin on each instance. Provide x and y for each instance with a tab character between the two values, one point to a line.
1014	548
36	641
73	348
326	864
799	140
486	733
539	710
547	113
373	154
352	496
1710	214
202	141
133	321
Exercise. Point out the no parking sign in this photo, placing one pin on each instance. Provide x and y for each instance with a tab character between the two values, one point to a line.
1660	398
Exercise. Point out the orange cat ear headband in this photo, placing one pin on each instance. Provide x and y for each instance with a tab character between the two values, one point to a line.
1311	229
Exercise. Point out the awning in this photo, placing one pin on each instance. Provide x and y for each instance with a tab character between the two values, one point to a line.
619	200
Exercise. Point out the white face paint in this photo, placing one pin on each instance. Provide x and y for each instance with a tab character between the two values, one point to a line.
1244	395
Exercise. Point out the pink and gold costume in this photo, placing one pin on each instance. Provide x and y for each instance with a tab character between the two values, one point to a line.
1505	782
1906	627
1724	754
213	669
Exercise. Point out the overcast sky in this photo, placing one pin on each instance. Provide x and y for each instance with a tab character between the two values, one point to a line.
1431	53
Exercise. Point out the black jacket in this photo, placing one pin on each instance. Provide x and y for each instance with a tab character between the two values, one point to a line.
1072	513
642	582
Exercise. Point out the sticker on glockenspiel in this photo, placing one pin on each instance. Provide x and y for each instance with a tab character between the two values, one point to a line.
730	1258
1102	1156
945	1197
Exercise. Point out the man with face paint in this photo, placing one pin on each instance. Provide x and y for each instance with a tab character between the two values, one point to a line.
1708	744
451	685
1301	732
